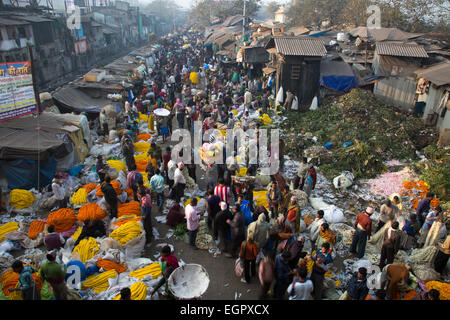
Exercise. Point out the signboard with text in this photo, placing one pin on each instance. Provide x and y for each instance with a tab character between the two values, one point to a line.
17	96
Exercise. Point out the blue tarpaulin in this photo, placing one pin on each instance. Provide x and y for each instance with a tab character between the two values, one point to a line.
24	174
337	75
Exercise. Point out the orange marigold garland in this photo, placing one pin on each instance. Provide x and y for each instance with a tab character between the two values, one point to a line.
91	211
89	187
116	186
109	265
36	227
129	208
62	219
417	190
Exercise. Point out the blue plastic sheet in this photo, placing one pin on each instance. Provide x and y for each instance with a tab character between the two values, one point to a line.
27	174
74	171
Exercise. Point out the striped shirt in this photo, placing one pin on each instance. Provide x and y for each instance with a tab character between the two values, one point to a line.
223	192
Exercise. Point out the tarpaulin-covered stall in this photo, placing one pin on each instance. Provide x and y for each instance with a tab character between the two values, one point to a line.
337	75
49	139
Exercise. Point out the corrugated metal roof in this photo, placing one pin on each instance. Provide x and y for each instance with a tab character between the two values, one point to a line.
438	74
295	46
9	22
400	49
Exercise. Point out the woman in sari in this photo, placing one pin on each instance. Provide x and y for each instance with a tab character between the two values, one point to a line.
325	235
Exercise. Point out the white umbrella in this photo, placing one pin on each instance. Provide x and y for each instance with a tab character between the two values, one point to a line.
161	112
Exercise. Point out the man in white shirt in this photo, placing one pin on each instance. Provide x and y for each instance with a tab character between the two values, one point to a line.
171	167
179	182
60	192
301	288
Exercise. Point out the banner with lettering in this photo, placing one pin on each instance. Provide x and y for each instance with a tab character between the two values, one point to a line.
16	90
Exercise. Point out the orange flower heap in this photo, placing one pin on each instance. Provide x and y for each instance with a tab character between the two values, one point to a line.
417	190
62	219
91	211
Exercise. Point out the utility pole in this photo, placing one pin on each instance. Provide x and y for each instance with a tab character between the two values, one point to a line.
243	22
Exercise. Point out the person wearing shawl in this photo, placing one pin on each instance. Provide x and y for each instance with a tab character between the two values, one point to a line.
259	231
128	151
175	215
293	216
315	226
286	196
180	113
326	235
311	178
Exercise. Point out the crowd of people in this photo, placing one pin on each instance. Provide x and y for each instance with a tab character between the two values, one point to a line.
265	242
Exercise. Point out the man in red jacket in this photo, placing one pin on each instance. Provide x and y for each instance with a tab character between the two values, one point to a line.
363	226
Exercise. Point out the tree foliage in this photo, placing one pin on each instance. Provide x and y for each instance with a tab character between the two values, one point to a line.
271	8
203	11
408	15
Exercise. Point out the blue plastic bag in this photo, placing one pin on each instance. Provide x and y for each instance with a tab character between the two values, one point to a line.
245	209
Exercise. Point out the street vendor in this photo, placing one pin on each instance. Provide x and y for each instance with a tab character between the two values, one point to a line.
168	265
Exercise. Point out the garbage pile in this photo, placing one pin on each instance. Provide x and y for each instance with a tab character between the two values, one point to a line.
360	127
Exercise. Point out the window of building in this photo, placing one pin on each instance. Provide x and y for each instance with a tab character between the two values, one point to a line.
295	72
22	33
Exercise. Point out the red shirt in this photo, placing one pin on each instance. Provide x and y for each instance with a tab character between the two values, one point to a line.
364	220
166	158
222	192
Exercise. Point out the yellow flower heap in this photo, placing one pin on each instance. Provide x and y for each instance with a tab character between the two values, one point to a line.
99	282
7	228
86	249
126	232
79	197
153	269
138	291
21	199
265	118
117	164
